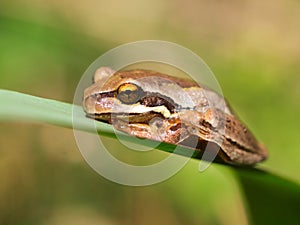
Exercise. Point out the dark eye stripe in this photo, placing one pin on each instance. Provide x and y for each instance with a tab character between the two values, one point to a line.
110	94
156	99
147	99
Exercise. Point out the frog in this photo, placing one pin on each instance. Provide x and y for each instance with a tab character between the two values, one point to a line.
165	108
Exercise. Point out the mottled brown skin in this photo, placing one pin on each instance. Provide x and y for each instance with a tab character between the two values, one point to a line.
160	114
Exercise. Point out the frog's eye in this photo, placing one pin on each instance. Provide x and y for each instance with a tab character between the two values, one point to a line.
129	93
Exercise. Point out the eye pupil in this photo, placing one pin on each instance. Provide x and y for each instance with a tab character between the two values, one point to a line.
129	93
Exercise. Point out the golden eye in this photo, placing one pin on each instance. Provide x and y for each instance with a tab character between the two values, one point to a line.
129	93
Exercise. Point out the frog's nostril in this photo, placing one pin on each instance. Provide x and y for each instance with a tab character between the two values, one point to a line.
94	96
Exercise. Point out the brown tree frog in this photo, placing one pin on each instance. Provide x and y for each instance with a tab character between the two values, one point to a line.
153	105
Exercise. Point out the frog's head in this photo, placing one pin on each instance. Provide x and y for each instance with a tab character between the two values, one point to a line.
134	93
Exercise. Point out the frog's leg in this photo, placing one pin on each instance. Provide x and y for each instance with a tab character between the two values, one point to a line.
157	129
238	145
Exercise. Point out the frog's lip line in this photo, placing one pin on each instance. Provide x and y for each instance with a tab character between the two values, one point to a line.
109	115
134	110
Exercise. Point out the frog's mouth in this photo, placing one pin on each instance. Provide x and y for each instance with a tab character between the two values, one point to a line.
127	117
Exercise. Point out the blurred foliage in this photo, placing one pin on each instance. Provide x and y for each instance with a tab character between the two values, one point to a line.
271	199
45	47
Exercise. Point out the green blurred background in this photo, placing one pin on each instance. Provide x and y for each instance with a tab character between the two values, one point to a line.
45	47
